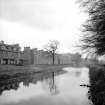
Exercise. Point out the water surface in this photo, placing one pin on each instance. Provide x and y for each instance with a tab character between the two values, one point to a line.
53	88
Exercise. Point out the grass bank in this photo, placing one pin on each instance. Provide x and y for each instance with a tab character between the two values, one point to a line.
97	84
12	69
8	71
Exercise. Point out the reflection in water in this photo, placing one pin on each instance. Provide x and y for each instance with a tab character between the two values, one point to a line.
7	85
78	73
47	88
50	84
13	83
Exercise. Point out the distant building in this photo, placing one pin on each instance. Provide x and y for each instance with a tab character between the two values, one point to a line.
29	55
10	54
35	56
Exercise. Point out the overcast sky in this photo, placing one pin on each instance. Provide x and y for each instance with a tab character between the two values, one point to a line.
34	22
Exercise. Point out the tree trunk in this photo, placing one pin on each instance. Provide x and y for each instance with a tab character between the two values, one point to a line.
53	55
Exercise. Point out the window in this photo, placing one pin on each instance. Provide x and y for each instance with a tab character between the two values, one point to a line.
3	47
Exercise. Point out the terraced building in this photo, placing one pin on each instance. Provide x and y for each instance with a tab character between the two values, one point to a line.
11	54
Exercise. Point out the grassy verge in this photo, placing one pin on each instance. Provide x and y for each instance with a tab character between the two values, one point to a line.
11	70
97	84
8	71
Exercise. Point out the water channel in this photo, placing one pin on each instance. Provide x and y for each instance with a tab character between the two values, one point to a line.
53	88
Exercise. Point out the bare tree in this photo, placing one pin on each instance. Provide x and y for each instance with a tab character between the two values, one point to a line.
52	47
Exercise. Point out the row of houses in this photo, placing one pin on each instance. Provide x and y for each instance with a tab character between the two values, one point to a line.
12	55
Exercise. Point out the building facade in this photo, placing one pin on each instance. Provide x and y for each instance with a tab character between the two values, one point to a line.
35	56
10	54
